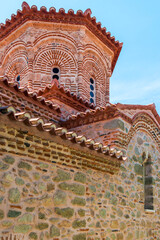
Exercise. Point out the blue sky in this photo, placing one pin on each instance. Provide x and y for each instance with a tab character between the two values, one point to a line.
136	78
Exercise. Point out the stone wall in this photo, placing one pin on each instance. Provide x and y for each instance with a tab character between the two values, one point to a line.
45	199
111	132
118	132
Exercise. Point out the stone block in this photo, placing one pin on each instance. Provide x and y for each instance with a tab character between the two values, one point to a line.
26	218
7	224
25	165
33	236
1	214
65	212
22	228
81	212
14	195
81	236
59	197
74	187
8	159
62	176
138	169
54	231
80	177
13	213
42	226
79	201
79	223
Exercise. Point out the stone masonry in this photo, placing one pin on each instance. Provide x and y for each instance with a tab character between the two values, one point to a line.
73	166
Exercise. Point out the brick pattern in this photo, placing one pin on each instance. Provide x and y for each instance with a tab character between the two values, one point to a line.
79	19
116	132
8	98
105	159
54	183
72	50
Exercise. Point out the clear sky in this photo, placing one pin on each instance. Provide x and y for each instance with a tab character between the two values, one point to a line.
136	77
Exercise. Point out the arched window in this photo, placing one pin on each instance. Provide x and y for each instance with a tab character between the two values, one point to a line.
92	91
18	78
148	183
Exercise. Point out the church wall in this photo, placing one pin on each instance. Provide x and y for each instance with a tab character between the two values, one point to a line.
46	192
39	47
109	132
27	105
65	109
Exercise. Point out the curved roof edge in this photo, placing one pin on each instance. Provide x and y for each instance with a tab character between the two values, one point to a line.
150	107
32	96
62	133
78	18
48	92
109	112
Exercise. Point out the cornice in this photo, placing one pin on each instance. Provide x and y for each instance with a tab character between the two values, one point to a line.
78	18
65	96
61	135
30	96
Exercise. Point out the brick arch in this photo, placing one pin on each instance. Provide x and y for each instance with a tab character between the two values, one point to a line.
144	122
105	60
12	49
54	54
18	65
93	66
51	37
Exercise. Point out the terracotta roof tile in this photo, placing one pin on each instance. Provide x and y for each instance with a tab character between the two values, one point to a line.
50	93
126	111
62	133
90	116
30	95
132	110
79	18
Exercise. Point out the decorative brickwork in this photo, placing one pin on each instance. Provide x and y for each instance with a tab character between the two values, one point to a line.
68	102
71	169
73	46
22	100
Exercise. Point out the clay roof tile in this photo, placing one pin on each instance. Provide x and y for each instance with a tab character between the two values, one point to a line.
81	18
63	133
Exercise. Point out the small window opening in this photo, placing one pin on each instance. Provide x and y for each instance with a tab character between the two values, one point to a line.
55	70
92	90
55	75
148	184
18	78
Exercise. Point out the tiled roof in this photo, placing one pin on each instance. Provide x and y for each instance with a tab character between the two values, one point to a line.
30	96
64	95
132	110
90	116
125	111
72	137
80	18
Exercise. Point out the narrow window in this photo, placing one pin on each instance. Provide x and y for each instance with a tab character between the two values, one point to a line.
148	184
55	75
18	78
92	91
